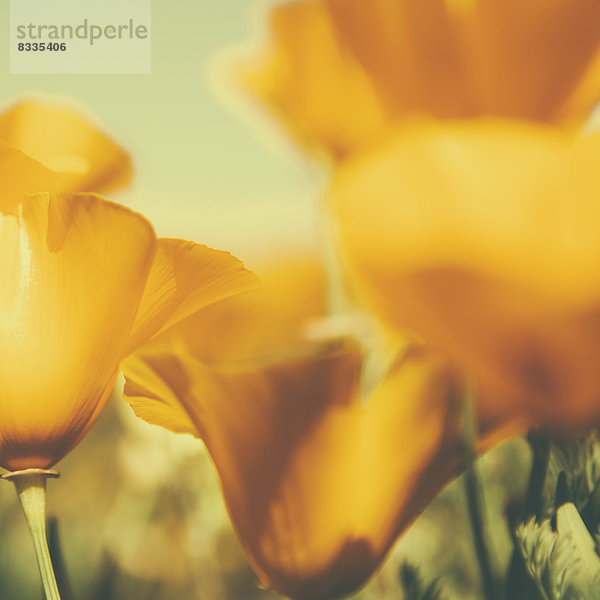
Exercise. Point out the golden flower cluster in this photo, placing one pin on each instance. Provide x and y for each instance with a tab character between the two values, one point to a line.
464	197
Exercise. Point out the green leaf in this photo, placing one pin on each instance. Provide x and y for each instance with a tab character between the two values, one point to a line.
563	563
413	586
580	461
586	577
549	559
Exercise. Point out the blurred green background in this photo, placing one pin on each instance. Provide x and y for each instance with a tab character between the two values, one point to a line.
141	515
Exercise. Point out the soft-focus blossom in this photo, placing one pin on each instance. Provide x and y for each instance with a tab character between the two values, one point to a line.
318	486
83	283
337	72
482	237
45	148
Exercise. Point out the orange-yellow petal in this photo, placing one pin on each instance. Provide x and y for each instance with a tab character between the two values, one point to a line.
260	324
416	53
72	275
186	277
313	85
80	156
457	58
317	485
20	175
482	237
337	72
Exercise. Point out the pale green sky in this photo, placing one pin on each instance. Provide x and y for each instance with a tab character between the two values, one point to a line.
202	171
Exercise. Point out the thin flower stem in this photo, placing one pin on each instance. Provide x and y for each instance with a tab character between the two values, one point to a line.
472	487
31	490
474	495
537	476
519	584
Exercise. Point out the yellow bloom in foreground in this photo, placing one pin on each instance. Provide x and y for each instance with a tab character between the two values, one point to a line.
83	283
44	148
318	486
337	72
483	237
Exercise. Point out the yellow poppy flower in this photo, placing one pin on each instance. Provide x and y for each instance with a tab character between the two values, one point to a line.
45	148
336	72
318	486
482	237
83	283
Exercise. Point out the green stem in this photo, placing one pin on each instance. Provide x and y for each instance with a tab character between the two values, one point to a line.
472	487
31	490
537	477
519	584
473	490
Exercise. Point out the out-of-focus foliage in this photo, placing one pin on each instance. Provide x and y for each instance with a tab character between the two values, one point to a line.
551	558
413	586
578	460
563	562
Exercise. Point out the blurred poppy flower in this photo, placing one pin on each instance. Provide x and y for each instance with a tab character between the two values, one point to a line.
318	486
46	148
337	72
83	283
482	237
